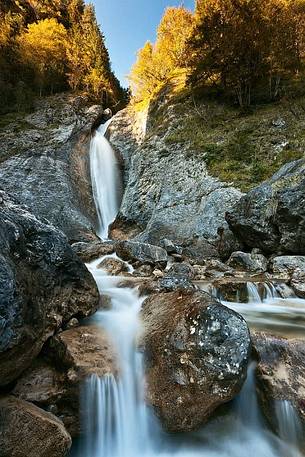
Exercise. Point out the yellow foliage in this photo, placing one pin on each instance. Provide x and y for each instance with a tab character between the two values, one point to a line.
43	46
155	62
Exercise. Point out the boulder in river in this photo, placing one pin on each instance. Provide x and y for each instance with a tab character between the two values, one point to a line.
113	266
91	251
54	381
254	262
280	374
196	355
272	216
286	265
298	283
28	431
43	285
141	252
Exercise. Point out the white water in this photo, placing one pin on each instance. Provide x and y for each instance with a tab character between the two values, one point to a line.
118	422
104	177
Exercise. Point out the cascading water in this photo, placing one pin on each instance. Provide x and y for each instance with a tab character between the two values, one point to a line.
104	177
118	422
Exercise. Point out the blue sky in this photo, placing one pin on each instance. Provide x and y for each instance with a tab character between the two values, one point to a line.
127	25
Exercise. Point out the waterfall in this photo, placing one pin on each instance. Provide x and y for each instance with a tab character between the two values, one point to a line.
289	427
104	171
117	420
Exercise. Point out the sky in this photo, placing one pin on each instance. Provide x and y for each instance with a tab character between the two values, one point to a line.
127	25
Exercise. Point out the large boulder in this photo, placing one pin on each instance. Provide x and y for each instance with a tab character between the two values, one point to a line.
272	216
91	251
196	354
280	374
43	285
141	252
254	262
28	431
168	191
44	162
287	264
54	382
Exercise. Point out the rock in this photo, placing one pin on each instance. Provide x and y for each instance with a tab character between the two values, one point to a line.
286	265
28	431
143	270
142	252
182	269
158	273
280	374
55	381
196	356
168	191
114	267
72	323
170	247
231	289
43	285
272	216
91	251
86	350
176	282
253	262
44	162
298	283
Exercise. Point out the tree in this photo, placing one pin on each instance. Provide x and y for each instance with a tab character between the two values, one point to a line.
43	47
155	62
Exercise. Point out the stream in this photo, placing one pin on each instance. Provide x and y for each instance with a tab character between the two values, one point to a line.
118	422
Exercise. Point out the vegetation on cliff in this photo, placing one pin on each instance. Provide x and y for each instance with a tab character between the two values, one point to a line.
49	46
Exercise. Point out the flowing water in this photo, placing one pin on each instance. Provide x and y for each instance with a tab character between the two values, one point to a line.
104	177
118	422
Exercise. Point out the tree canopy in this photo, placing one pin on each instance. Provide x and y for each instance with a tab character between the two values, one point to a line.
52	45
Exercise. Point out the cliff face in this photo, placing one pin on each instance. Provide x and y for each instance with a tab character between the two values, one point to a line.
169	193
44	162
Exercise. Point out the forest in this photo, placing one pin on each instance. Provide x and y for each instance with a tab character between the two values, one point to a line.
246	51
50	46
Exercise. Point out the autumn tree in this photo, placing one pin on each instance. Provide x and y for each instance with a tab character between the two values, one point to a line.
43	47
241	45
155	62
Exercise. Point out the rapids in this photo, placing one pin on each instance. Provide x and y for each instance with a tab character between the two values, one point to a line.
118	422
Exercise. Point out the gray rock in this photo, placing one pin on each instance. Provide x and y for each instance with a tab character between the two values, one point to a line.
43	285
28	431
168	190
91	251
44	162
253	262
298	283
114	267
272	216
196	356
175	282
142	252
286	265
280	374
182	269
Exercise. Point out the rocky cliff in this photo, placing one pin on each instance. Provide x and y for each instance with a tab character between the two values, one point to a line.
169	193
44	162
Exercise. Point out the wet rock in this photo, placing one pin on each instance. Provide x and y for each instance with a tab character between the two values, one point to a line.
142	252
143	270
182	269
43	285
196	355
175	282
44	162
54	382
298	283
272	216
286	265
28	431
91	251
252	262
113	267
170	247
231	290
280	373
85	350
